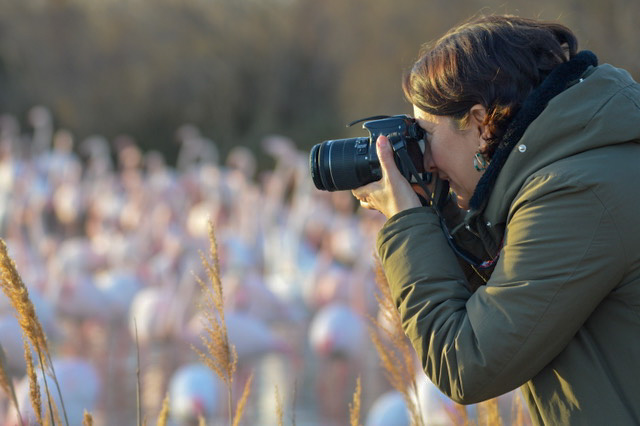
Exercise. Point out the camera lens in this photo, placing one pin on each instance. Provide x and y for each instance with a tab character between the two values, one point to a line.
343	164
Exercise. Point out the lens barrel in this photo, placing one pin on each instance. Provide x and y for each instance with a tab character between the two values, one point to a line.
344	164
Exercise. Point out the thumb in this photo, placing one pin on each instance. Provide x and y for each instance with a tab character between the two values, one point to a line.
385	156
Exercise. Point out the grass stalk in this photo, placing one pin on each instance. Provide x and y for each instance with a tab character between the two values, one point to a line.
243	401
398	359
55	382
16	291
34	387
6	383
354	406
163	417
87	419
46	386
219	354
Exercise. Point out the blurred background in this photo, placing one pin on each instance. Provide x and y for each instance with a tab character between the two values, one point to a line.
126	124
239	69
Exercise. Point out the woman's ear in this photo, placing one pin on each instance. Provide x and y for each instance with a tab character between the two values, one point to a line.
477	116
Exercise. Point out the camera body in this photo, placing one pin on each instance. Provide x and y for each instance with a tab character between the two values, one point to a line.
343	164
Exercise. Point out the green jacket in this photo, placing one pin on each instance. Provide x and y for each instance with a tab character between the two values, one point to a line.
560	312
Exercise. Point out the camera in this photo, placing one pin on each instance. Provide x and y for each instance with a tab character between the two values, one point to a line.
343	164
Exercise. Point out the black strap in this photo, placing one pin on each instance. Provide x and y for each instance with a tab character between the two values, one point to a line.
400	148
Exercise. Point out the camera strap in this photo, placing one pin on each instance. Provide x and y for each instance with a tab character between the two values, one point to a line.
400	148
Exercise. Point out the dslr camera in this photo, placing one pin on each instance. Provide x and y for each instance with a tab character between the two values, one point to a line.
343	164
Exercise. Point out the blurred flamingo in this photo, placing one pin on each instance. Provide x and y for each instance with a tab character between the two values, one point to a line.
194	391
389	409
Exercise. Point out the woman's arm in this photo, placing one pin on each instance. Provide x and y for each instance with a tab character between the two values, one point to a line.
560	258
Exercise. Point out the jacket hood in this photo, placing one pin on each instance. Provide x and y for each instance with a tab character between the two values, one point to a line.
599	109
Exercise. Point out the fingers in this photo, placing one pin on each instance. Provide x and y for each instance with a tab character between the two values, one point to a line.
385	156
360	196
392	193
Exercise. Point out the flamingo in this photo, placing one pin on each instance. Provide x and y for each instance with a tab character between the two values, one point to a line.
389	409
194	391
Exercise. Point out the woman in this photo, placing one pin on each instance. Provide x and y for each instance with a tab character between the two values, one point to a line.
541	148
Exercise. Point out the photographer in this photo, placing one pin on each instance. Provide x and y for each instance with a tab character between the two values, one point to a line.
541	148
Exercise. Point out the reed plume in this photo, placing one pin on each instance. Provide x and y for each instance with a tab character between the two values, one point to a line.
220	355
397	360
354	406
53	415
18	295
87	419
16	291
163	417
34	387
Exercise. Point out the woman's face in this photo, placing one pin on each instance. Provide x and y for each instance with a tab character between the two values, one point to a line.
449	152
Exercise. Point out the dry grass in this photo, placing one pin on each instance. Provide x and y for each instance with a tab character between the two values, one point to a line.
243	401
18	295
163	417
220	355
354	406
87	419
34	387
7	384
397	358
279	410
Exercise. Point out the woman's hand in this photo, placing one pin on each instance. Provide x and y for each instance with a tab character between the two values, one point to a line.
391	194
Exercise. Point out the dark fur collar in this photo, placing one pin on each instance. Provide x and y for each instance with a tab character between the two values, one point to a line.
556	82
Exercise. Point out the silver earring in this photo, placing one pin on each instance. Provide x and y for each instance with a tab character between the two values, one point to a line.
479	162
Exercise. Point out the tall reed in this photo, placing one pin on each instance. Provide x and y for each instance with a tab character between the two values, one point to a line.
163	417
397	358
242	402
87	419
18	295
220	355
354	406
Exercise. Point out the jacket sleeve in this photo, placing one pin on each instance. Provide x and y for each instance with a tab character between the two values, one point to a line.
561	256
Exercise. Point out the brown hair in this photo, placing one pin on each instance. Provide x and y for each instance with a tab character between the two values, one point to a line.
495	61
